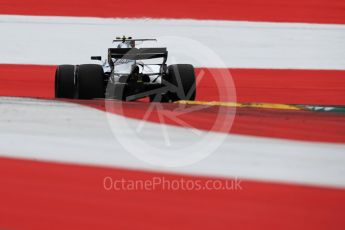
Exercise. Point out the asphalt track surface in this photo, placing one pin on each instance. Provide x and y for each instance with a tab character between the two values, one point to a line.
293	174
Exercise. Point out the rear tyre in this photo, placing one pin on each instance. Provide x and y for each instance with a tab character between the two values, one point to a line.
90	82
182	78
181	82
65	81
160	98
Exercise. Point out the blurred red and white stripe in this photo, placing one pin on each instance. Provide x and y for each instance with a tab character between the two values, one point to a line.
288	184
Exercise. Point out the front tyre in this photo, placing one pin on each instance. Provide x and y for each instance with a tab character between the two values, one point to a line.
65	81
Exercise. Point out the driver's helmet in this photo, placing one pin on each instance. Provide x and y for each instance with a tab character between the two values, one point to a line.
126	44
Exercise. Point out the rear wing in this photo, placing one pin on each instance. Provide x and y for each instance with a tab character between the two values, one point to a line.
138	54
129	39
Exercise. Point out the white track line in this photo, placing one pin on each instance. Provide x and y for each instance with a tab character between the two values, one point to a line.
64	132
57	40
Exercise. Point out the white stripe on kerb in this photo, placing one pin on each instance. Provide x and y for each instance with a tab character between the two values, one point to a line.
67	132
57	40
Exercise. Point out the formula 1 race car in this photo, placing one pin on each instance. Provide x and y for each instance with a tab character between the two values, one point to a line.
124	76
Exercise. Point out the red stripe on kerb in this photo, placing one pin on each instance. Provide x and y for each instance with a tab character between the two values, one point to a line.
27	81
279	86
312	11
38	195
323	87
296	125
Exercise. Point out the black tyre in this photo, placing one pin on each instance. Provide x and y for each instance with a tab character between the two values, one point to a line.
181	81
90	82
182	77
65	81
160	98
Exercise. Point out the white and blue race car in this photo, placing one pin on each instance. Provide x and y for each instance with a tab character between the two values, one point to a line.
125	76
